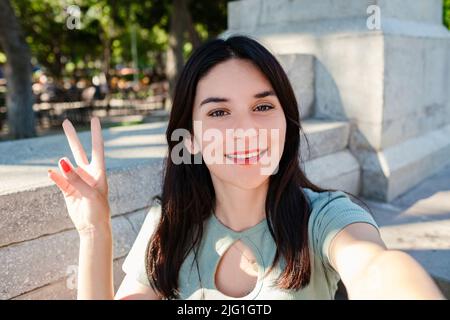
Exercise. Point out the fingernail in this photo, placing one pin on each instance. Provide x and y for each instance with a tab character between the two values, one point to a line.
65	165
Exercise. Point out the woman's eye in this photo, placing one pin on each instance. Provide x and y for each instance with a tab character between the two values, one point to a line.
221	113
264	107
217	113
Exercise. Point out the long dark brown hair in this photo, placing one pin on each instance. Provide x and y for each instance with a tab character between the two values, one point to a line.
188	197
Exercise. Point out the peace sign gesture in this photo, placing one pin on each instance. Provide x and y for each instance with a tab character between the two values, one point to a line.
85	188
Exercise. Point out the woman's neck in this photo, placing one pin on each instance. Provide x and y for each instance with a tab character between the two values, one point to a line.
240	209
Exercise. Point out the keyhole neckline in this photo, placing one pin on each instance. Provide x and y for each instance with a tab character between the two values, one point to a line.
261	270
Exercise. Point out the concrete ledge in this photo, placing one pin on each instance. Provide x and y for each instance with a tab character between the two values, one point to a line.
60	290
32	213
54	291
24	163
48	259
389	173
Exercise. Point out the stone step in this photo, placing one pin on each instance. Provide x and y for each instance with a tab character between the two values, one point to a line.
339	170
326	158
324	137
402	166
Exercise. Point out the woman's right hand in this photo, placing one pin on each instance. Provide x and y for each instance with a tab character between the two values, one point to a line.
85	188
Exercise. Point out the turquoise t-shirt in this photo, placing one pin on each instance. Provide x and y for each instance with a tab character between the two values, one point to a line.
331	212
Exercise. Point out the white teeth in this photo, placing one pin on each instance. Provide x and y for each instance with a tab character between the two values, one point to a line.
243	156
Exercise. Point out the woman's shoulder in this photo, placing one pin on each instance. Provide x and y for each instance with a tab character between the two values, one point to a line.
318	200
332	211
332	205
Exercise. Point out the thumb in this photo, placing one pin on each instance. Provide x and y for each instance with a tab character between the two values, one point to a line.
74	179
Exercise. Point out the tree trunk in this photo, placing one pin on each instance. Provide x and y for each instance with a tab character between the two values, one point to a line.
106	65
174	60
19	99
194	37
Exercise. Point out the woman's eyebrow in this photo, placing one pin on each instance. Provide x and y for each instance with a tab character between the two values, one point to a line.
260	95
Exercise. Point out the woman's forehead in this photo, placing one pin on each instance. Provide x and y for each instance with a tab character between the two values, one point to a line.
231	71
231	79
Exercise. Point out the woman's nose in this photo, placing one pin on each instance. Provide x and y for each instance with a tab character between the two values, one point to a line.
245	133
245	127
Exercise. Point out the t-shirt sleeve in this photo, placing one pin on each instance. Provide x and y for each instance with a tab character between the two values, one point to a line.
134	263
331	212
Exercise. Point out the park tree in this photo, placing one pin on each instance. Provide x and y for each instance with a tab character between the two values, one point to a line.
19	99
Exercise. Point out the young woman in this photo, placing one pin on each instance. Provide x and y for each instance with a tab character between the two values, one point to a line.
237	217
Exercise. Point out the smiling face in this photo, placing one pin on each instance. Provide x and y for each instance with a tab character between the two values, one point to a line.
239	124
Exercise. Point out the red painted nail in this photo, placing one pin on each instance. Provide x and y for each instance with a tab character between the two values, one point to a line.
65	166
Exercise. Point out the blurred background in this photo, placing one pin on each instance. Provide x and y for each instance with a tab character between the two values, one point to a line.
109	58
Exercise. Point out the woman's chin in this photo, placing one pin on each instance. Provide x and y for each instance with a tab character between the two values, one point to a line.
243	181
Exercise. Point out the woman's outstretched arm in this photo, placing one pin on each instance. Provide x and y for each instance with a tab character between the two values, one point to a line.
370	271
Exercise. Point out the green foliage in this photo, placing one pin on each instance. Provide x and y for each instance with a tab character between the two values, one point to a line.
65	51
447	13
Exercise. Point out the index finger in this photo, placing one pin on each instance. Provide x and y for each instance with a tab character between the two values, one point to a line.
98	155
